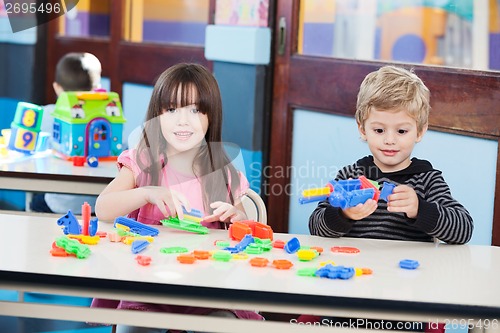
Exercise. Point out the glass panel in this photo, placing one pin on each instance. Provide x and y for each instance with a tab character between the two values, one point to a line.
456	33
87	18
166	21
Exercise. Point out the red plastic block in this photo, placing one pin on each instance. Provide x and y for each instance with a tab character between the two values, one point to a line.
143	260
344	249
365	183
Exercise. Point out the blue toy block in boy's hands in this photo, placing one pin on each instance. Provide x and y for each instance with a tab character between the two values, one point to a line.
387	189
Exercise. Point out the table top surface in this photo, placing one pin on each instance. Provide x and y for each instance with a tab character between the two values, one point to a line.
450	275
47	166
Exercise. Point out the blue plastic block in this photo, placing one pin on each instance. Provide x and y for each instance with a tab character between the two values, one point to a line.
387	189
136	227
350	184
193	212
360	196
408	264
70	223
139	245
292	246
245	241
93	226
346	273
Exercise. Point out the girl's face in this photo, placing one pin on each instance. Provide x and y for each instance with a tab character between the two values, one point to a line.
183	128
391	137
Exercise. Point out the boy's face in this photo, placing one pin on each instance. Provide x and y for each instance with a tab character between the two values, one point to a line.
391	136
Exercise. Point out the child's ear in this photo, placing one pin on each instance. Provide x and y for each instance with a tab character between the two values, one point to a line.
362	132
421	134
57	88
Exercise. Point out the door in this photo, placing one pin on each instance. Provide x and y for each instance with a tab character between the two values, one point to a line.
99	134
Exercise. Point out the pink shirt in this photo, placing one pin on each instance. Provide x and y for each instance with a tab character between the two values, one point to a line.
189	186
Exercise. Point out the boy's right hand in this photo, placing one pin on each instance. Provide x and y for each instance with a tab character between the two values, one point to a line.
360	211
169	202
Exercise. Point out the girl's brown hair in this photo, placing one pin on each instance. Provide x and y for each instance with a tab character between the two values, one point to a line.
189	84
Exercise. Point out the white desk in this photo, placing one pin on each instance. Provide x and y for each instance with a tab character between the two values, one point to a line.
451	282
46	173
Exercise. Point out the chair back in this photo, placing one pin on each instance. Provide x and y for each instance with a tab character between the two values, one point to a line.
254	206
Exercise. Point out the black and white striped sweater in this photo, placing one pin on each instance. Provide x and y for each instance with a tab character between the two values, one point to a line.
439	215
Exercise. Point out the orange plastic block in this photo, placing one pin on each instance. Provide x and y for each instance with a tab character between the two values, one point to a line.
143	260
365	183
344	249
201	254
239	229
186	258
259	262
319	249
366	271
282	264
57	251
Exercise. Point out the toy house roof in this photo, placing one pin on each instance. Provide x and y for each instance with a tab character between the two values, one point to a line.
93	104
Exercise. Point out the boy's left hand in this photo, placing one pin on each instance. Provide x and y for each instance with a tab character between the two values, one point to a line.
224	212
403	200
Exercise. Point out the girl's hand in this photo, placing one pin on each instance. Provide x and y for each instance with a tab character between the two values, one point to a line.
169	202
360	211
403	200
224	212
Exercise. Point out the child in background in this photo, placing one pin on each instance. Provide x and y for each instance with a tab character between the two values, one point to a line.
74	72
392	115
179	161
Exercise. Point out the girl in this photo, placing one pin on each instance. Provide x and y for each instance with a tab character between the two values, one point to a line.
179	161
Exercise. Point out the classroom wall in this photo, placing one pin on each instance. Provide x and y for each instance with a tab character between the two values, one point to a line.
17	57
322	144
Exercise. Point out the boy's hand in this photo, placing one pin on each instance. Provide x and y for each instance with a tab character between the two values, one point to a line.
403	200
360	211
169	202
224	212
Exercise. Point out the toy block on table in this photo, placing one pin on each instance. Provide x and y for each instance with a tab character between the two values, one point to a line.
135	227
25	128
139	246
239	229
72	227
70	224
72	246
88	124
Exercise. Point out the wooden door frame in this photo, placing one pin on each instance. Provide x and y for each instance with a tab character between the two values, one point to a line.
471	109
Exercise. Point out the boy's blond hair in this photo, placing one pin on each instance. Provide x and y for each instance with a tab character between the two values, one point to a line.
394	89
